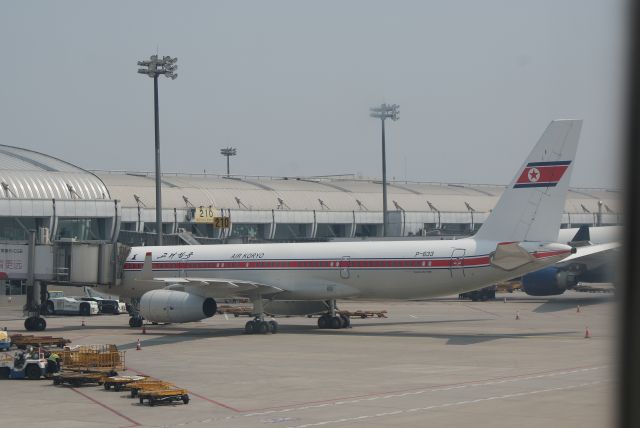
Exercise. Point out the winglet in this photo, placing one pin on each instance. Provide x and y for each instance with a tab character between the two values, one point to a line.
147	267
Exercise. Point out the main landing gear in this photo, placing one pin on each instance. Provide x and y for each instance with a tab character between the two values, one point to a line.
332	319
258	325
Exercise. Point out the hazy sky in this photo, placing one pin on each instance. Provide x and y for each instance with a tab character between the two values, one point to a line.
290	83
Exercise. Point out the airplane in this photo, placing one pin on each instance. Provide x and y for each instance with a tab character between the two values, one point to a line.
178	284
592	264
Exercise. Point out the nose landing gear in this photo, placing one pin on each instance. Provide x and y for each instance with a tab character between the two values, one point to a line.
136	320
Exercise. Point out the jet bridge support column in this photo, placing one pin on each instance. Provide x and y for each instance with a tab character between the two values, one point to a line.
32	309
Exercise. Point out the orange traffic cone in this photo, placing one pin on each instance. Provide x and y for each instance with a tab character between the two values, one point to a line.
138	347
518	315
587	333
578	309
82	322
144	329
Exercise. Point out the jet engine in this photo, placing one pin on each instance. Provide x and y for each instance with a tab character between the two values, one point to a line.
173	306
550	281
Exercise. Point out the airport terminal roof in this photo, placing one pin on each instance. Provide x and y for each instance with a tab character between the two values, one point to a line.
328	194
31	175
26	174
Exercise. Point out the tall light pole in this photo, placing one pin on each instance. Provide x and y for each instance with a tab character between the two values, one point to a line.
228	152
383	112
155	67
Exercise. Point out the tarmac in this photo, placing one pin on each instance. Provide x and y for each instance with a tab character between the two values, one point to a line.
436	363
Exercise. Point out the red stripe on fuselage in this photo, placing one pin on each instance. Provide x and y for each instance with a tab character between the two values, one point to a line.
473	261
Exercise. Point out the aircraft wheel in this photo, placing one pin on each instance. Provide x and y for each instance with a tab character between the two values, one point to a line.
39	324
323	321
346	321
250	327
273	327
263	327
30	324
336	322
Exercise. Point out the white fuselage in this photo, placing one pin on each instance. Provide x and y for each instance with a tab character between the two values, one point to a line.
323	271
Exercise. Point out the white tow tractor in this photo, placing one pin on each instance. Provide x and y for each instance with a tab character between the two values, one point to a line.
23	365
71	306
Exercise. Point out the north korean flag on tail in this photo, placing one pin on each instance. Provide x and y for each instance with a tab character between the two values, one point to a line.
542	174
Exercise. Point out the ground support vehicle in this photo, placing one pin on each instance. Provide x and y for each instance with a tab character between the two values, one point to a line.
70	306
508	287
107	306
484	294
22	366
147	385
164	396
78	378
236	311
93	358
118	383
363	314
22	341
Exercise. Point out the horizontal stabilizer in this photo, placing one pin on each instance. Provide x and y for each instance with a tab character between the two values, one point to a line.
510	256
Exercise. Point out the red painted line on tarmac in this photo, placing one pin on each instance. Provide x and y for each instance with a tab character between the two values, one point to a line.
217	403
112	410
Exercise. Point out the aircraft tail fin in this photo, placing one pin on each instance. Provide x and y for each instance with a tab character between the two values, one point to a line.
582	237
530	209
147	268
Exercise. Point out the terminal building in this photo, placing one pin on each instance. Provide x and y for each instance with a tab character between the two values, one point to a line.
84	220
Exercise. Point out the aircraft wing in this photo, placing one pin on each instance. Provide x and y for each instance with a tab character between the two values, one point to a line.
218	286
592	255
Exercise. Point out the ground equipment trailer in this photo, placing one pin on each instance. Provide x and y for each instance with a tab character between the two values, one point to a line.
164	396
147	385
22	366
78	378
93	358
363	314
22	341
118	383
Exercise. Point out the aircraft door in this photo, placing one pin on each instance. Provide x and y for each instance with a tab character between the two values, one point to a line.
345	263
456	263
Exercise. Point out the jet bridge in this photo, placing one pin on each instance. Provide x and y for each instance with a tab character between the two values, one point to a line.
66	262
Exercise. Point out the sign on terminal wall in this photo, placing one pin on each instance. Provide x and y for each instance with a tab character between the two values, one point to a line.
208	215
